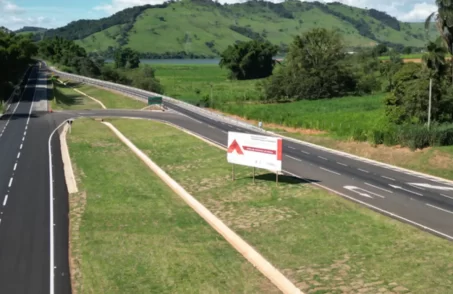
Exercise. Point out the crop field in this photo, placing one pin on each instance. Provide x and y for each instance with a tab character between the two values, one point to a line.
342	117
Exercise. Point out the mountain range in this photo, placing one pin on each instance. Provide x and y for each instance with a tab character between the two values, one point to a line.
203	28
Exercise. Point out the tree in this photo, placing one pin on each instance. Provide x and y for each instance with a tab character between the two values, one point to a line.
434	58
381	49
126	58
444	23
388	69
249	60
313	69
407	50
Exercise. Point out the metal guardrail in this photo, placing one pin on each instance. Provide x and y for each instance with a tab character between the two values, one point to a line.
144	95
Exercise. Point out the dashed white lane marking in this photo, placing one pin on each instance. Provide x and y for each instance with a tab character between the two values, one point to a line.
21	145
18	155
447	211
297	159
15	166
322	157
5	199
330	171
224	131
362	170
290	147
10	182
446	196
25	133
378	188
401	188
304	152
23	139
211	127
388	178
341	164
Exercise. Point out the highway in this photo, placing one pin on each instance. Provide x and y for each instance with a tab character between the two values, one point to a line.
34	199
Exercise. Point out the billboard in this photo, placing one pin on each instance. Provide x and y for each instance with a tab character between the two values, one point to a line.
255	150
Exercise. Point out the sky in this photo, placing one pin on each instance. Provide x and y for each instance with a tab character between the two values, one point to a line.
15	14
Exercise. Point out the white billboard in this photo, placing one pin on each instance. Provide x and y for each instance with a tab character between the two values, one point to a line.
254	150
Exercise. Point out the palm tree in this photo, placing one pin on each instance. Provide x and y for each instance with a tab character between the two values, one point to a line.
444	24
434	57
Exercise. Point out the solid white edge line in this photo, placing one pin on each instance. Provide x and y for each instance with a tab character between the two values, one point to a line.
378	188
376	208
330	171
52	249
441	209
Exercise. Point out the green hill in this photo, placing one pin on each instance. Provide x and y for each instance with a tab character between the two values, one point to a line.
205	28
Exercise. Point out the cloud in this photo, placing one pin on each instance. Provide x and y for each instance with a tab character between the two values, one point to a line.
118	5
10	8
419	12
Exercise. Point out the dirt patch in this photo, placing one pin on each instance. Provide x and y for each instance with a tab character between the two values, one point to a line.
441	160
273	126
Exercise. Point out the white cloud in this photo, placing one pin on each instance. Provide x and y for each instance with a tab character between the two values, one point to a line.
419	12
118	5
8	8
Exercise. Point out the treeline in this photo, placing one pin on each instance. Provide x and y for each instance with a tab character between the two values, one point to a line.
318	67
110	53
72	58
16	54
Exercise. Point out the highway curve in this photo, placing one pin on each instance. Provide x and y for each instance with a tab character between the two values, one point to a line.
34	199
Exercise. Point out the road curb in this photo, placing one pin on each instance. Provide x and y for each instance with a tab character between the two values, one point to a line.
71	183
269	271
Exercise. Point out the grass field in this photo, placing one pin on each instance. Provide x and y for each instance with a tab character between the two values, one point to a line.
342	117
67	98
321	241
131	234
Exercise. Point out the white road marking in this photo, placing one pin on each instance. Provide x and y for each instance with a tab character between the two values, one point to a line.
401	188
21	145
290	147
15	166
388	178
330	171
322	157
378	188
18	155
362	170
304	152
429	186
297	159
446	196
211	127
5	199
448	211
10	182
51	222
224	131
341	164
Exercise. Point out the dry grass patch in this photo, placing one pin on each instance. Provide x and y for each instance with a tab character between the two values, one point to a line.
317	238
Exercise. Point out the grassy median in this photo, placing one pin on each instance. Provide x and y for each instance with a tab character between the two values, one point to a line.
66	98
131	234
322	242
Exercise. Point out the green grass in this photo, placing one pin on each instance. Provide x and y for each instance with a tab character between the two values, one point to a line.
319	240
342	117
66	98
70	99
131	234
187	27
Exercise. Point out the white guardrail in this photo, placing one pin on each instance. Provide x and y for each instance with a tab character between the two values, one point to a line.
144	94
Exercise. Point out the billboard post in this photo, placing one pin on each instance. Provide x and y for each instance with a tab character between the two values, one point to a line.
255	151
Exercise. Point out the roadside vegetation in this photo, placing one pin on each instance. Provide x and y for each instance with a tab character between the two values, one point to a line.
65	97
16	54
319	240
137	236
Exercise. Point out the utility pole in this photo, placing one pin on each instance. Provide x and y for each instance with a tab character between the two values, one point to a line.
429	103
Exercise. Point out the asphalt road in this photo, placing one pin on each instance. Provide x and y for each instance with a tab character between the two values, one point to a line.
34	208
25	227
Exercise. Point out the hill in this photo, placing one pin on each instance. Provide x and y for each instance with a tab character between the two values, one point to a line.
197	28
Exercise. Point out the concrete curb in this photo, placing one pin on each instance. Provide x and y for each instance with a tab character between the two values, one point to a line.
71	183
237	242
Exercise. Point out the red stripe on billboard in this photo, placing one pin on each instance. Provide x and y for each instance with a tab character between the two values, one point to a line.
260	150
279	149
